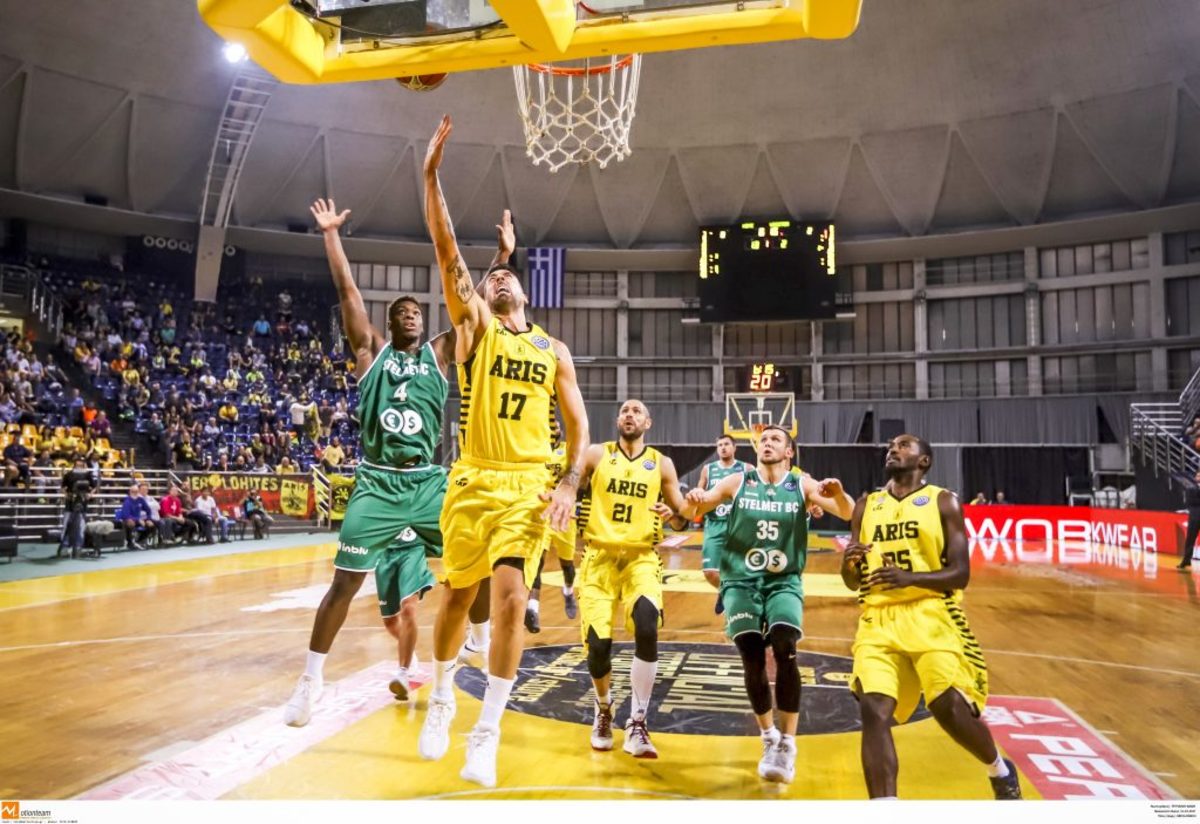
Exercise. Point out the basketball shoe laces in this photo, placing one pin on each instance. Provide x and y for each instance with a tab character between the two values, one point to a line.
604	722
637	728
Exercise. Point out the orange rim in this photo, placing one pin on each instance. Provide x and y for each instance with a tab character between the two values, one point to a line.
570	71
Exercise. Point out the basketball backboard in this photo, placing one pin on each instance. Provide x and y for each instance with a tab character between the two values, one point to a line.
746	413
337	41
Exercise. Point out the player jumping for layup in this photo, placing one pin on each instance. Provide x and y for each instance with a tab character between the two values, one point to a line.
392	516
629	481
764	552
910	564
495	514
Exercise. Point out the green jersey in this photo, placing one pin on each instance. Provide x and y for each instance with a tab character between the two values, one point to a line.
715	473
767	533
400	403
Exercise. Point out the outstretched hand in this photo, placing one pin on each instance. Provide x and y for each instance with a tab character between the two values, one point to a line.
433	155
561	507
506	236
326	214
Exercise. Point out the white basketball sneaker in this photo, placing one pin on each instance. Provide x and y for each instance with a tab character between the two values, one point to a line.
602	736
299	707
769	743
637	739
473	656
482	743
435	732
399	685
782	763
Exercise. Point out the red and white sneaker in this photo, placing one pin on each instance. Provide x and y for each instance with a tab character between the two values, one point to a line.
637	739
602	736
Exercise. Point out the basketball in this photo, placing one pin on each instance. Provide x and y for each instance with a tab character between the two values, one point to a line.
422	82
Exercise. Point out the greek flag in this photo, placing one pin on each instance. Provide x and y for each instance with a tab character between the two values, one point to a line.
546	267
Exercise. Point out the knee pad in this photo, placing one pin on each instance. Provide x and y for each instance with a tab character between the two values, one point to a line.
787	677
599	654
645	630
753	649
783	642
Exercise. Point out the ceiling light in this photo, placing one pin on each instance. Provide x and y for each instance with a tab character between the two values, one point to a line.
234	52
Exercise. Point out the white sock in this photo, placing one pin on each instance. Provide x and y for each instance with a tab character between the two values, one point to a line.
443	680
790	740
997	769
885	798
641	679
769	732
315	666
481	634
568	590
402	672
603	700
532	606
495	699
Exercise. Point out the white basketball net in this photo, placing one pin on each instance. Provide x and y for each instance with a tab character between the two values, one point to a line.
578	113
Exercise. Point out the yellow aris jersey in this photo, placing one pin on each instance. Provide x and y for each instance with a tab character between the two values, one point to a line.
622	491
908	533
507	389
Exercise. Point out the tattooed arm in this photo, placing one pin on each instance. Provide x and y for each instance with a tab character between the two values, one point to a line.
468	312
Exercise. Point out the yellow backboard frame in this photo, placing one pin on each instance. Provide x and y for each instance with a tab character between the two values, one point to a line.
295	50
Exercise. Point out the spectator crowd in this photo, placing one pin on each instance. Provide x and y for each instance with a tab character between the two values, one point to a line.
213	390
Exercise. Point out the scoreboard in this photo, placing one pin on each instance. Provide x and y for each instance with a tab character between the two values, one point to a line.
768	270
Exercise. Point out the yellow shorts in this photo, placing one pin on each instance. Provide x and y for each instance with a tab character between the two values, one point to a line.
611	576
922	646
563	543
489	514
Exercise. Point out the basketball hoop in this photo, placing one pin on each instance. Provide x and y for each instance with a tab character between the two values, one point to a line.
578	112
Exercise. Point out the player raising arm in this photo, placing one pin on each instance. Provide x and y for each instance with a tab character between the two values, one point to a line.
496	509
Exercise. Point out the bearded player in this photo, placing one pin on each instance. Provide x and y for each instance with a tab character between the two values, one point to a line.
633	487
497	506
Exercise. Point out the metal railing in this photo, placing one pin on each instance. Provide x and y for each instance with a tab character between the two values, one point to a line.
46	304
37	510
1156	431
1189	398
322	496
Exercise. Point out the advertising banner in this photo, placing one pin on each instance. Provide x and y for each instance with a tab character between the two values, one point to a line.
281	494
1071	530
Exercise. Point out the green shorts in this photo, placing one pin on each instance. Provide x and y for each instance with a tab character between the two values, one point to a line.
387	509
758	605
401	573
714	542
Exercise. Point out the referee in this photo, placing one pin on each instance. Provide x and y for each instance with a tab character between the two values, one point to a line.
1191	498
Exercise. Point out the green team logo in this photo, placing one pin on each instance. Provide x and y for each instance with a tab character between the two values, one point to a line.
407	422
771	560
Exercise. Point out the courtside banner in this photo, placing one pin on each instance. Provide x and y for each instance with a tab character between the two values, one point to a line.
1004	529
281	494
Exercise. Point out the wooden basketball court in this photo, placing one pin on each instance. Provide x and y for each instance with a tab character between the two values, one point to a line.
168	680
